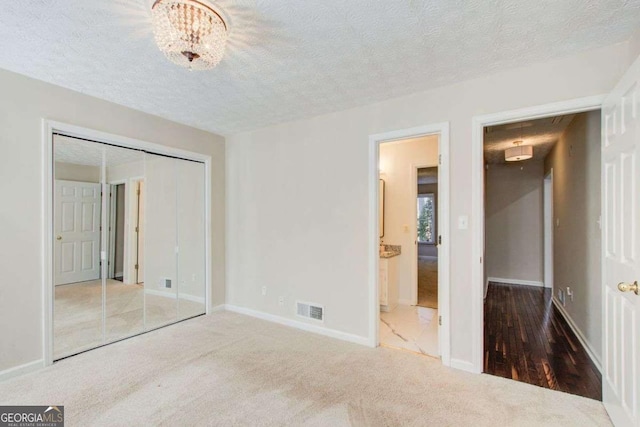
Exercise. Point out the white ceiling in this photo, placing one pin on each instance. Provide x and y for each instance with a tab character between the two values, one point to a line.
290	59
541	133
80	152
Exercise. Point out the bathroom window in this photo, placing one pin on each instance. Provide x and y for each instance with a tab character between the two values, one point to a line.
426	218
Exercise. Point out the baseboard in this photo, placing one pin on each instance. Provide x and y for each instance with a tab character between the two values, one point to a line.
486	289
463	365
217	308
516	282
21	370
321	330
577	333
173	295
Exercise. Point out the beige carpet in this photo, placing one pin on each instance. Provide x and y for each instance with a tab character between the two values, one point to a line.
428	281
228	369
78	314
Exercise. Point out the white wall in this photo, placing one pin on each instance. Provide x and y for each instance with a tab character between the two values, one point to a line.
298	196
73	172
575	160
514	226
397	159
25	103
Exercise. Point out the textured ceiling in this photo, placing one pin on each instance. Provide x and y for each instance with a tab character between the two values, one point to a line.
290	59
80	152
542	134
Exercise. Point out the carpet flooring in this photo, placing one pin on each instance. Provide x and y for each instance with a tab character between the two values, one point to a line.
78	314
428	281
228	369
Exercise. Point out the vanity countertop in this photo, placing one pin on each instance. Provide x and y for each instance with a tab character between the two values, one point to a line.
389	251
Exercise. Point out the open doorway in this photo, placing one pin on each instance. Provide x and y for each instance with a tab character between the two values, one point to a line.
542	266
427	237
408	262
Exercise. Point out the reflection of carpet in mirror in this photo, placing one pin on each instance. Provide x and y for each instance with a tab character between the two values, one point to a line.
78	314
428	281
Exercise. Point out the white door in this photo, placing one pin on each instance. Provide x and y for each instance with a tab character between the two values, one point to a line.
621	257
76	231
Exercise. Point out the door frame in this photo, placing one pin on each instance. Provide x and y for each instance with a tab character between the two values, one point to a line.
579	105
441	129
414	227
49	127
548	229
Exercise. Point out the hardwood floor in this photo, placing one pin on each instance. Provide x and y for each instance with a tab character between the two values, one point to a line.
527	339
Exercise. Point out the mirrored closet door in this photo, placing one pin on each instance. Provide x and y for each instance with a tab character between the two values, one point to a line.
129	243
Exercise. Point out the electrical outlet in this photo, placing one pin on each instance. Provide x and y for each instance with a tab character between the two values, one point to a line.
264	290
280	300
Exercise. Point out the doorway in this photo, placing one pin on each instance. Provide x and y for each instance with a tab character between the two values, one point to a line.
533	332
399	161
427	237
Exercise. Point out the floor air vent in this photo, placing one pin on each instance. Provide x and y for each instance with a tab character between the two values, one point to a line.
310	311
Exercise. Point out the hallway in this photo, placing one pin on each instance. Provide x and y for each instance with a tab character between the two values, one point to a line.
527	339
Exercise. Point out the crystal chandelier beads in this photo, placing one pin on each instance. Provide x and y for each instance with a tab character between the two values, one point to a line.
191	33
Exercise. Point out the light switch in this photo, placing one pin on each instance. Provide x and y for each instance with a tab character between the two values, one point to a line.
463	222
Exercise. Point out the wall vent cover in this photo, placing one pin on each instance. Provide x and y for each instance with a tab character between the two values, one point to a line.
310	311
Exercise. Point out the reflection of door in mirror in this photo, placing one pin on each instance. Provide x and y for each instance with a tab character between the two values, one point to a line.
381	190
77	219
129	244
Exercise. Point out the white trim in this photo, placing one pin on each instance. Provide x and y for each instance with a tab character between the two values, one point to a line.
173	295
309	327
477	192
444	332
217	308
48	128
413	176
516	282
463	365
548	228
596	361
21	370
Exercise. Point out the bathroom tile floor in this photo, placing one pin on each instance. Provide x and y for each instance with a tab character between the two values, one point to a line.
410	328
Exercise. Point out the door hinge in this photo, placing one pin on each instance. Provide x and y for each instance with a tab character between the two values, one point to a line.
137	229
136	266
440	159
138	192
439	240
440	320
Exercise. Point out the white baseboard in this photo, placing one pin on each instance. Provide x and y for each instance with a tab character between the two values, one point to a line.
300	325
463	365
174	296
220	307
516	281
578	333
21	370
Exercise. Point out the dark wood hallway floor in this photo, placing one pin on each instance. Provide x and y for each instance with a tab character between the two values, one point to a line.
527	339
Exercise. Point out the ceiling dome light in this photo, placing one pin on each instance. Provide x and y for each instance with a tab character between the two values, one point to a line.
191	33
519	152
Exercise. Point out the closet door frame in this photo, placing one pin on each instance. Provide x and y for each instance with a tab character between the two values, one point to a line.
49	128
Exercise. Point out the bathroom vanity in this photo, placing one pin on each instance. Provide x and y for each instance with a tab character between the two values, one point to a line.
388	277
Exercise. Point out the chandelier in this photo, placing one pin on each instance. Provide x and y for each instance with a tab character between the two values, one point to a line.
191	33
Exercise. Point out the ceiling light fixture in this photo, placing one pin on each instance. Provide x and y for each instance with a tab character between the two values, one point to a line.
519	152
191	33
